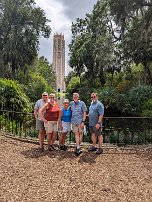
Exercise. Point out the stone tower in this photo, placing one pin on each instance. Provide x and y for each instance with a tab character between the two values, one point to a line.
59	61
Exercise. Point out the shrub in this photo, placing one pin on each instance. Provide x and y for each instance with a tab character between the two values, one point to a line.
13	97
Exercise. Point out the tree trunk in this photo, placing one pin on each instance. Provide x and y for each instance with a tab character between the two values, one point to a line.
101	76
148	74
112	79
13	69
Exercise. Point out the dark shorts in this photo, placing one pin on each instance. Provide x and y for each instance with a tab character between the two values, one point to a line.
39	125
93	129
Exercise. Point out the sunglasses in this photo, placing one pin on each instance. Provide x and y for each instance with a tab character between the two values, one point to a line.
52	97
93	97
45	95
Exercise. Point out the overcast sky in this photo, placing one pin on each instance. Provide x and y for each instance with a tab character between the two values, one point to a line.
62	13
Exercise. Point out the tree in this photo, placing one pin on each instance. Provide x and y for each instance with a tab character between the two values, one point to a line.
39	77
73	86
21	24
69	77
36	86
42	67
133	20
92	49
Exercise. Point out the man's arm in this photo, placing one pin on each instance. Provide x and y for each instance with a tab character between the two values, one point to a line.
101	113
36	108
35	113
100	119
84	117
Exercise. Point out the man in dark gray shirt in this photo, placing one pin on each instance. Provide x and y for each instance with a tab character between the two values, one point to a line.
96	111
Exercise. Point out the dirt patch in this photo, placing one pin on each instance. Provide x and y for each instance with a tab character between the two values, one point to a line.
119	174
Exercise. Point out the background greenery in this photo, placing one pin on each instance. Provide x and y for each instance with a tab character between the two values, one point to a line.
110	53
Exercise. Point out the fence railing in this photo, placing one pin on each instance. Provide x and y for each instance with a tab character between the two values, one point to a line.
115	130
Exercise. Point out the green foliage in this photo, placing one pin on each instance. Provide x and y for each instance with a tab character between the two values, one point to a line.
133	20
91	48
132	102
39	78
117	78
113	42
123	87
21	25
41	67
148	104
13	97
35	86
73	86
127	100
68	78
147	108
6	124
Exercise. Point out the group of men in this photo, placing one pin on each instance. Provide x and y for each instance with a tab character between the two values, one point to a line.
77	120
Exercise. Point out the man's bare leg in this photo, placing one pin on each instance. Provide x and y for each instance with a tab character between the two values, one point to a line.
41	137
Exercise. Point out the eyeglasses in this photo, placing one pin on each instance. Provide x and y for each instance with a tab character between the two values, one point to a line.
52	97
44	95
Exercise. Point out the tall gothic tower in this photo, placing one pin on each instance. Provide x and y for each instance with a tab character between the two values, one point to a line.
59	61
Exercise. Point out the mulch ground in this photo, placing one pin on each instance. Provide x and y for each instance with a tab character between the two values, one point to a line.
119	174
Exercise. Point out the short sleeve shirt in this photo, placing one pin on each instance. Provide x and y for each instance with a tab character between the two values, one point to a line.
78	109
66	115
95	110
38	105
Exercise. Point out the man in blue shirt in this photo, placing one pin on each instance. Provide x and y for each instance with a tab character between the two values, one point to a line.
78	118
96	112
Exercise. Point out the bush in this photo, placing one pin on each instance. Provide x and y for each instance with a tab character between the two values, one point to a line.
127	101
147	108
13	97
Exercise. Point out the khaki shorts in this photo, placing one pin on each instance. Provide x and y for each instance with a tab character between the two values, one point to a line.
77	128
93	129
50	126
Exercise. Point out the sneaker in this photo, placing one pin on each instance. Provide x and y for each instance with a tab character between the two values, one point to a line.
78	151
61	147
50	148
65	148
53	148
99	151
92	148
41	149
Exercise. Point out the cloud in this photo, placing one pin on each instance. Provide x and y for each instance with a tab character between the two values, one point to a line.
78	8
61	13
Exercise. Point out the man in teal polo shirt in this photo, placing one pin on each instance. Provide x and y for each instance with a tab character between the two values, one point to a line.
96	112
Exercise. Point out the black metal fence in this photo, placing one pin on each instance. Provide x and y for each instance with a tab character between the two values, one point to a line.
115	130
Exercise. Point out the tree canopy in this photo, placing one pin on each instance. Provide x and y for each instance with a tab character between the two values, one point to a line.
111	52
21	25
116	34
